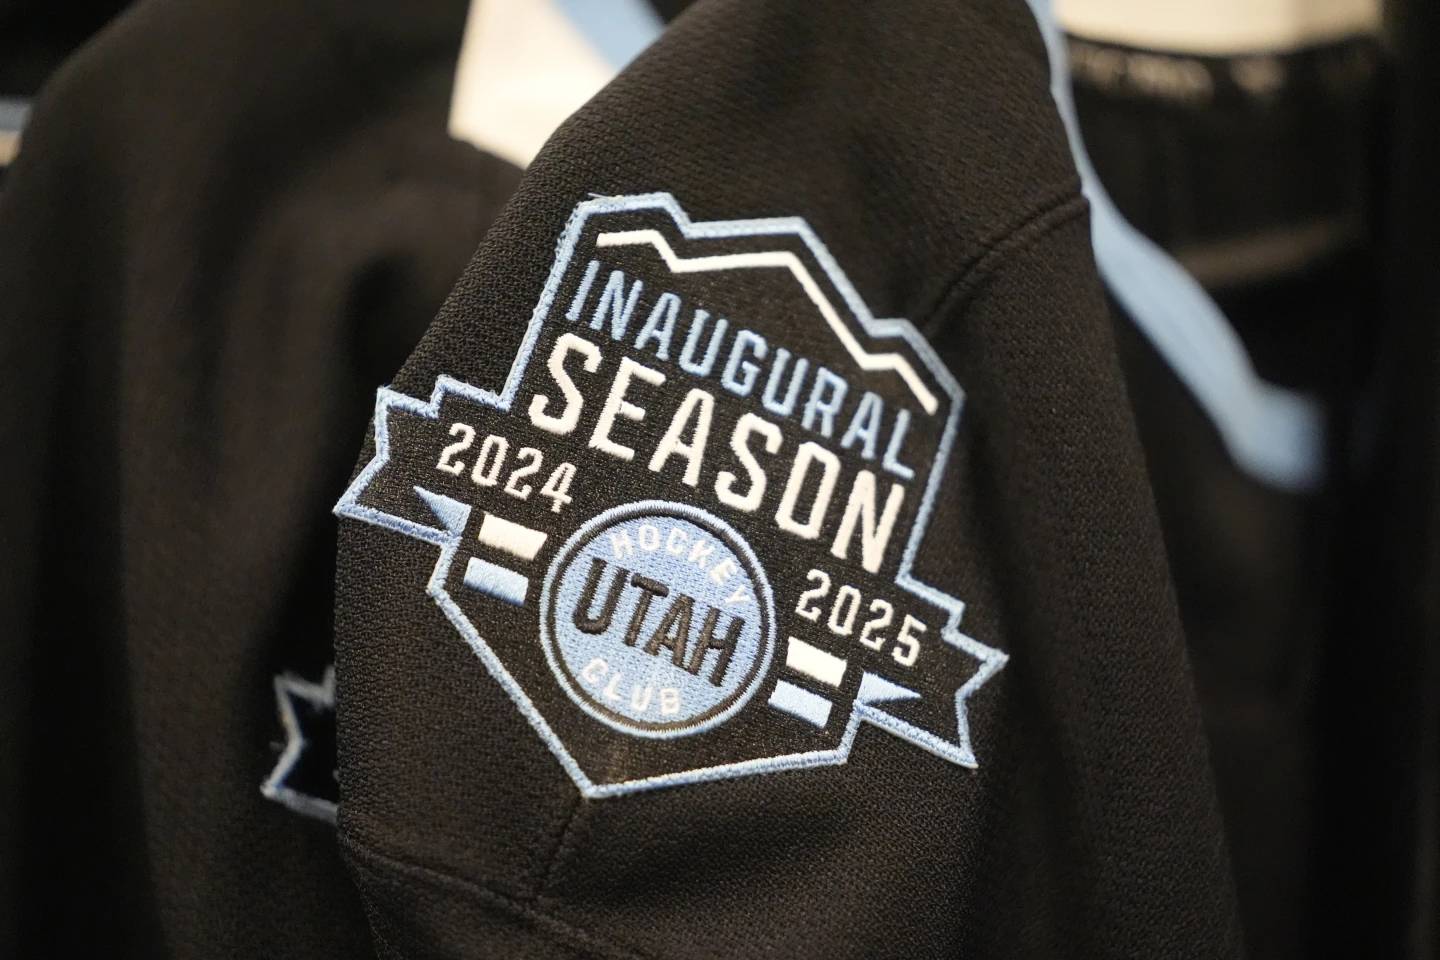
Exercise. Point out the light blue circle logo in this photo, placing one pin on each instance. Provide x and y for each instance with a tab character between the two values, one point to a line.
657	619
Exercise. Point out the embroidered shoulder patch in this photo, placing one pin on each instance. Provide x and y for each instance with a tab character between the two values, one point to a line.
681	534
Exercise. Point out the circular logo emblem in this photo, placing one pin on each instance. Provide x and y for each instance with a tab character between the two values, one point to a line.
657	619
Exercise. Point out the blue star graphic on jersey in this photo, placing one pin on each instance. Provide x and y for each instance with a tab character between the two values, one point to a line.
304	778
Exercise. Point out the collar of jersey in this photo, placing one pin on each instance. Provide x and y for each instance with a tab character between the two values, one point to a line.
1273	434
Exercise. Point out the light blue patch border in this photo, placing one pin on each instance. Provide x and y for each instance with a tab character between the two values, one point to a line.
453	514
701	518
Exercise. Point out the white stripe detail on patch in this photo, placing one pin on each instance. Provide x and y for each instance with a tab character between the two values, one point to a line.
814	662
514	539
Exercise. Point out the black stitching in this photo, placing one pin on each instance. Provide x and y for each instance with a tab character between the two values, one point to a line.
564	845
1040	222
552	928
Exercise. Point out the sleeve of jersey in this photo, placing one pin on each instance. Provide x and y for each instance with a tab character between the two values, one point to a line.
756	558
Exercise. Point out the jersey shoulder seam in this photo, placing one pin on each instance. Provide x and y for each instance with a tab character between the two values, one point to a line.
546	924
1062	207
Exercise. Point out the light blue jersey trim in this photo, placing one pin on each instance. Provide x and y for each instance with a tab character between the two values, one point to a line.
14	113
617	29
454	515
1274	434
